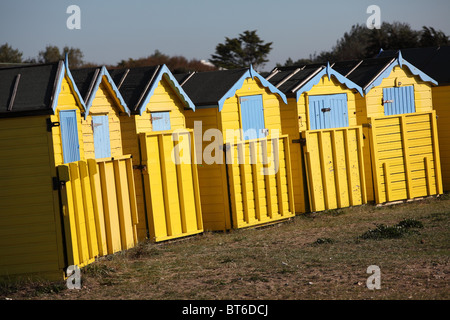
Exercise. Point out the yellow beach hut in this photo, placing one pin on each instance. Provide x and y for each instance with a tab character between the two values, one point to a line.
325	140
400	128
243	160
40	124
167	192
435	62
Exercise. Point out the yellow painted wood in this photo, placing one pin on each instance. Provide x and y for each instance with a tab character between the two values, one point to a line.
104	103
110	207
82	237
97	204
408	173
334	168
173	203
66	101
88	210
124	205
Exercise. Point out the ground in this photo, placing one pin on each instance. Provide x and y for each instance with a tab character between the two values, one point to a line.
313	256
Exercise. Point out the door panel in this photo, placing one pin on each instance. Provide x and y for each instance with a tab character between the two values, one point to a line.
102	143
398	100
252	115
328	111
69	135
161	121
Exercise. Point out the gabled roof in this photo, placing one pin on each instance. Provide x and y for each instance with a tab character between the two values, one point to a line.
137	85
293	81
33	89
434	61
369	73
212	88
88	81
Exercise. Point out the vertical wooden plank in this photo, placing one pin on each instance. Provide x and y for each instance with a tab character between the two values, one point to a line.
97	202
79	213
276	158
231	183
243	181
70	231
387	181
334	146
196	186
348	166
156	210
268	180
170	186
88	210
132	190
323	170
290	190
255	167
311	182
406	156
436	155
428	175
112	227
375	165
362	177
123	204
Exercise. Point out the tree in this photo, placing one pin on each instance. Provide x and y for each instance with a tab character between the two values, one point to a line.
430	38
53	54
248	49
361	42
10	55
176	64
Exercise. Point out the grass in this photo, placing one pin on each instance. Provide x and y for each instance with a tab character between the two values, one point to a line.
321	255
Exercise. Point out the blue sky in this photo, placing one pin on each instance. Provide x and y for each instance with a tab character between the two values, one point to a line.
114	30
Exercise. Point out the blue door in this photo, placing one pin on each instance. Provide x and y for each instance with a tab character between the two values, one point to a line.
161	121
252	115
398	100
328	111
102	145
69	135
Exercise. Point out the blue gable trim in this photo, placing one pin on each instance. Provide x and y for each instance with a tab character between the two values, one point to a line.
250	73
164	70
63	70
399	61
104	72
329	72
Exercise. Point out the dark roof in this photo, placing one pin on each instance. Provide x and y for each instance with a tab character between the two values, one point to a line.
85	79
434	61
35	87
133	83
207	88
288	79
363	72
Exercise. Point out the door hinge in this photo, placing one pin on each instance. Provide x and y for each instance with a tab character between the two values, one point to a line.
51	124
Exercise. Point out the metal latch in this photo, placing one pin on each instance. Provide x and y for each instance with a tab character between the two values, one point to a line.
140	167
387	101
326	109
302	141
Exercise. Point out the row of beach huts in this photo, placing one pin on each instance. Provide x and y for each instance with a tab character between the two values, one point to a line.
94	161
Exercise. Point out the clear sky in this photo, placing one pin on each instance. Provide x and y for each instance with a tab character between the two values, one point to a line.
114	30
